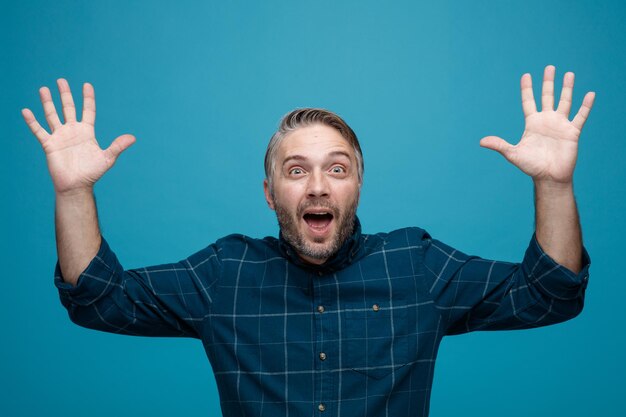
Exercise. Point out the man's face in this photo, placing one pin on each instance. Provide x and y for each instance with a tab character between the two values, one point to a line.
315	191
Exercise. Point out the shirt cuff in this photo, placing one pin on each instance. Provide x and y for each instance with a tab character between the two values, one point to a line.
94	282
552	278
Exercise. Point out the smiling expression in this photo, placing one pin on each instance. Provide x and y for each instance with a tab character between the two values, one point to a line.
315	191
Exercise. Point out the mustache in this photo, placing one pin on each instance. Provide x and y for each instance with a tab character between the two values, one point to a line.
318	203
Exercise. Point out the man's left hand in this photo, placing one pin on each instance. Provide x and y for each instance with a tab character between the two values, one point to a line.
548	148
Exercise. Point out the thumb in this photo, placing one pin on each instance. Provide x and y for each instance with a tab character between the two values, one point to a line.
497	144
119	145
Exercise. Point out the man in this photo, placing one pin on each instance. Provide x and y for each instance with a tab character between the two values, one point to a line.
325	320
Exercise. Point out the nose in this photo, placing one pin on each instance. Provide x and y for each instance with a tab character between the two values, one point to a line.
317	186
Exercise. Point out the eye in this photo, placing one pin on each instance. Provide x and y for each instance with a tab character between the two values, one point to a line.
296	171
338	169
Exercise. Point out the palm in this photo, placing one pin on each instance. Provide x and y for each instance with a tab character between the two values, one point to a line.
549	145
74	157
75	160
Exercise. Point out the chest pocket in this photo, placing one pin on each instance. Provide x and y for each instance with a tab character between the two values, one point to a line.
375	339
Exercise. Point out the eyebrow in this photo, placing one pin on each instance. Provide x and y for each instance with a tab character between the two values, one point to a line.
303	158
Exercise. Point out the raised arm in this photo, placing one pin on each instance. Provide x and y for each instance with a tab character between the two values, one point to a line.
547	152
76	162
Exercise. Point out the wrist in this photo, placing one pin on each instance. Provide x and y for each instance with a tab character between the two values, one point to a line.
75	193
550	187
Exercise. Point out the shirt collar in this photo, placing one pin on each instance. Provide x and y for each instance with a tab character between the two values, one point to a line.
350	251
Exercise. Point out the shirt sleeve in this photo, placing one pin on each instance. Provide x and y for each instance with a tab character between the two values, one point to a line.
478	294
163	300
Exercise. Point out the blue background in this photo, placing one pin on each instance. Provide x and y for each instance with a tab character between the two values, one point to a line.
203	84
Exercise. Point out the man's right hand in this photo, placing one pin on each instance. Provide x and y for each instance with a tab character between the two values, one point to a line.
75	160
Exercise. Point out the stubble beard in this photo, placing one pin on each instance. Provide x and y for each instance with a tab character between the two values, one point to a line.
288	223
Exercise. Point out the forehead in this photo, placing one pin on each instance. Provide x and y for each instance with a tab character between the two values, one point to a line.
312	141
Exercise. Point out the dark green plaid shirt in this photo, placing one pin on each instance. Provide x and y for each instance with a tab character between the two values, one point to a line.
357	336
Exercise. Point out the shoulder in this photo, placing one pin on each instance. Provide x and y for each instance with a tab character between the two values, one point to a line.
239	246
399	238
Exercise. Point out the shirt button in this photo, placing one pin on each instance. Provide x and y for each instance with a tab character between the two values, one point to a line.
320	273
322	356
321	407
320	309
375	307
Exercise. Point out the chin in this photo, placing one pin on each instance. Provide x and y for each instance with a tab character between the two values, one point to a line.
316	233
319	250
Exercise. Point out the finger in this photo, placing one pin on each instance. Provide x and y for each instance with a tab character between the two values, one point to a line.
583	112
50	112
528	99
69	110
547	91
34	126
565	102
497	144
89	104
119	145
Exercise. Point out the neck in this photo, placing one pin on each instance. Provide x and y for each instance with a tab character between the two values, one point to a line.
313	261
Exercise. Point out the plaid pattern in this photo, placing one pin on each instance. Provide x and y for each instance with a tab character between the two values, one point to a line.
357	336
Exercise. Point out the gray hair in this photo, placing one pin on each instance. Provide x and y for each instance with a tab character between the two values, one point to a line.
307	117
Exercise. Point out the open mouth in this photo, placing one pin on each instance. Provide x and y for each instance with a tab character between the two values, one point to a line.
318	221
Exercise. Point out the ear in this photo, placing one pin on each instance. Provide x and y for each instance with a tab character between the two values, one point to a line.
268	194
